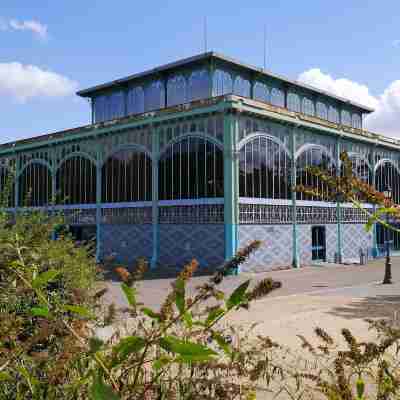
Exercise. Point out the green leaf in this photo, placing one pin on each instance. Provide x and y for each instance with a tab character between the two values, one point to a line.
95	344
5	377
375	216
222	343
40	312
188	351
130	293
214	314
150	313
180	295
101	391
238	295
44	278
187	317
129	345
161	362
80	310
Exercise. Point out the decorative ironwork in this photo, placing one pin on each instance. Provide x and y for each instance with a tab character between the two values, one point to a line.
126	215
78	216
265	214
316	215
193	214
353	215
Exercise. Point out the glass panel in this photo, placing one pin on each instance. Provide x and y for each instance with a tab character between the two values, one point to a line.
222	83
154	97
35	186
116	104
294	102
190	169
333	115
241	87
99	108
199	85
346	119
356	121
277	97
308	107
176	90
261	92
322	111
135	100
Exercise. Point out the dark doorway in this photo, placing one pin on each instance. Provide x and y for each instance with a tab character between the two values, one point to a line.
383	234
318	245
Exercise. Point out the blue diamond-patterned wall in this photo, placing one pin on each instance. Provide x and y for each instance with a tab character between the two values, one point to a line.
331	242
304	243
181	243
276	248
355	237
127	242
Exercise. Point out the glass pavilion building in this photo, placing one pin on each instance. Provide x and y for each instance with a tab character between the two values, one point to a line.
198	157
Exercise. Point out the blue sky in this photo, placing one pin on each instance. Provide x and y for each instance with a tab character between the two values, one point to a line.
49	49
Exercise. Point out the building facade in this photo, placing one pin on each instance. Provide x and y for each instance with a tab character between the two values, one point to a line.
199	157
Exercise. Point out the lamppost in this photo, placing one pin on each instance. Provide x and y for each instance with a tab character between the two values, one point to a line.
388	266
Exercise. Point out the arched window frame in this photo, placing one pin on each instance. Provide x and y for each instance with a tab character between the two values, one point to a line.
333	115
308	107
127	176
135	100
356	121
293	102
345	118
222	83
176	90
261	92
191	168
198	85
322	111
277	97
241	86
154	95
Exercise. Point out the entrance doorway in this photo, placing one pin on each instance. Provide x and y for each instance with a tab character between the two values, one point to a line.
318	245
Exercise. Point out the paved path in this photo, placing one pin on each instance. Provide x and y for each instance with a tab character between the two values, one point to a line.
332	297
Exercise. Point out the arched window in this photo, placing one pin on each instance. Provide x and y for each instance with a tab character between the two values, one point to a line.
191	169
116	102
127	177
356	121
76	181
264	170
241	87
277	97
99	108
176	90
308	107
293	101
322	111
222	83
314	157
360	168
35	186
346	119
261	92
154	96
387	176
135	100
333	115
7	187
199	85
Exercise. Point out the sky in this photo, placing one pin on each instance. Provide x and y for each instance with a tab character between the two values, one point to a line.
51	49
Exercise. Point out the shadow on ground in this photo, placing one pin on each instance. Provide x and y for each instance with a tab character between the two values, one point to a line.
383	306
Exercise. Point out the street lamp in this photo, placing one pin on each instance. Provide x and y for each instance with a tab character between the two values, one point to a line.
388	266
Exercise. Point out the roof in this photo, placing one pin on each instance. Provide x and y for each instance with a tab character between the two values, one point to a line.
89	92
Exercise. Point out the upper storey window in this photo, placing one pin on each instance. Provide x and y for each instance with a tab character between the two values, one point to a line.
308	107
199	85
293	102
99	108
241	87
176	90
116	106
322	111
222	83
277	97
346	119
356	121
154	96
261	92
333	115
135	100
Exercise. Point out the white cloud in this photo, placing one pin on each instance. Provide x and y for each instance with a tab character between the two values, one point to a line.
385	118
24	82
33	26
